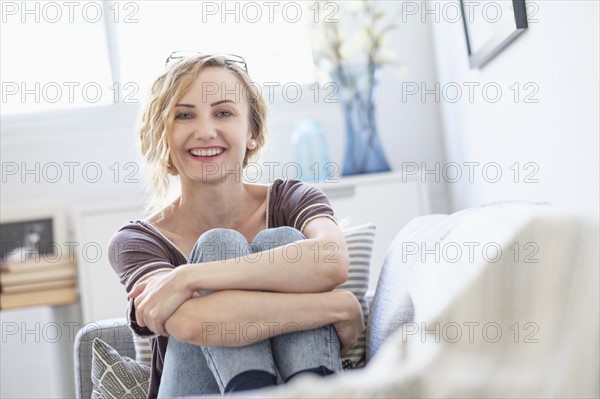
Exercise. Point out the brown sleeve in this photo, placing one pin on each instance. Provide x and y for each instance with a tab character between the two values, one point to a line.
294	203
134	252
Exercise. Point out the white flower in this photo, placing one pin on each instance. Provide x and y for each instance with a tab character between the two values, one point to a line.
351	45
351	49
385	56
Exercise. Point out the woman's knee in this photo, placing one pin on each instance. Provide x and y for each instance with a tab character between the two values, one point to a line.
219	244
277	237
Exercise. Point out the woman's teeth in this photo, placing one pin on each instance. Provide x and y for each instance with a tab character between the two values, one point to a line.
206	153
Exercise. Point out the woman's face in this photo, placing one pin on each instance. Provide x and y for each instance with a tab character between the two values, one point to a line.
210	130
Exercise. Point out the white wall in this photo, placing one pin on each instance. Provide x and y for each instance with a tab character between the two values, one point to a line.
559	54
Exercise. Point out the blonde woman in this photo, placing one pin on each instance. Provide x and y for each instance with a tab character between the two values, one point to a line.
232	281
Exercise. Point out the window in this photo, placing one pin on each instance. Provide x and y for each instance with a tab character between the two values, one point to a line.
50	61
84	54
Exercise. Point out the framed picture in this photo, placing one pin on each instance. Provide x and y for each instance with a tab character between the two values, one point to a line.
32	235
490	26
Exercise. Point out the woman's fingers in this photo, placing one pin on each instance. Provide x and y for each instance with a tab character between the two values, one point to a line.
137	290
155	300
348	332
345	349
350	329
147	311
139	318
156	324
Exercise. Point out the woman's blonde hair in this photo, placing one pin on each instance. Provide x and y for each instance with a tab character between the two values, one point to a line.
158	114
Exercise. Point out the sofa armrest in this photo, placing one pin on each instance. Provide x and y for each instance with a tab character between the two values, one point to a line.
115	332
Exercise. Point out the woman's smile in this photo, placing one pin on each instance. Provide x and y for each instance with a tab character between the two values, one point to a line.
206	153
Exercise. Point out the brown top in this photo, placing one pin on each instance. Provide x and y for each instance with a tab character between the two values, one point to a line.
138	248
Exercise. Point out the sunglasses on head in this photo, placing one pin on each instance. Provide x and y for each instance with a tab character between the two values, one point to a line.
229	58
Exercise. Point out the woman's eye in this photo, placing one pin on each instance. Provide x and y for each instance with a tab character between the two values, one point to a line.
184	115
224	114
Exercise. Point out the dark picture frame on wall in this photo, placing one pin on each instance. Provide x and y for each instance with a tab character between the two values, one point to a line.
32	235
490	26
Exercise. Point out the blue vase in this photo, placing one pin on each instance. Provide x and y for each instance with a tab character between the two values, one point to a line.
357	90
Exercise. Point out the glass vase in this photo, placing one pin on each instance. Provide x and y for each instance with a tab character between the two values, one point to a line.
357	96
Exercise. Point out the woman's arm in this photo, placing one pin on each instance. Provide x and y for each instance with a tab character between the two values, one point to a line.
238	318
320	257
317	264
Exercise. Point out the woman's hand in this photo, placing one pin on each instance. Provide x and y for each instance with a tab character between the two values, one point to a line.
350	328
157	297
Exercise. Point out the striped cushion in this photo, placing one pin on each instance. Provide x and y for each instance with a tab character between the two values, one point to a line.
360	247
360	241
143	354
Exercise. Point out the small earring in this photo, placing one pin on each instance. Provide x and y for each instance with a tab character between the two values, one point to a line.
252	144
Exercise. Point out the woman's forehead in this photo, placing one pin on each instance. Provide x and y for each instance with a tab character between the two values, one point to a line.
216	84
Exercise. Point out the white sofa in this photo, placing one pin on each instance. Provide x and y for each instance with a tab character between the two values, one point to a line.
496	301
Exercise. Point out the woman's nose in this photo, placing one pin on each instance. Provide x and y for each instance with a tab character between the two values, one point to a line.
204	130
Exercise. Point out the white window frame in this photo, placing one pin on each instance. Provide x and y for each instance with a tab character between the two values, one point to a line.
18	125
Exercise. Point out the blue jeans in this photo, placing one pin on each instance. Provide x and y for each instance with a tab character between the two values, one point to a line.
197	370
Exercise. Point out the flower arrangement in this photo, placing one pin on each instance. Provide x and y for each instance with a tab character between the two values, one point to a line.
353	58
335	48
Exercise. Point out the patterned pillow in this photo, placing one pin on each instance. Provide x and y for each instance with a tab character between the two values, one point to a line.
114	376
360	241
360	247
